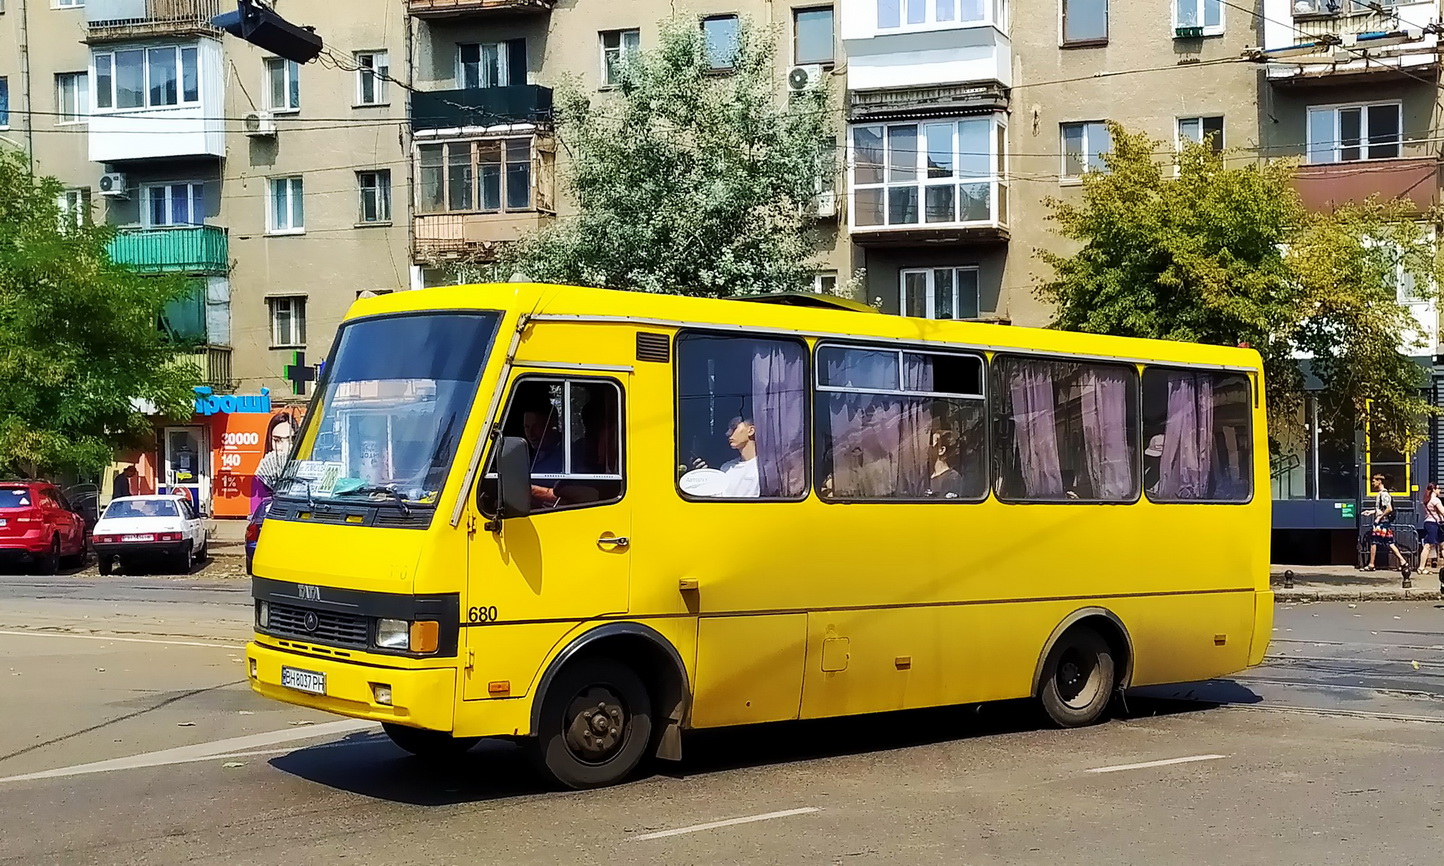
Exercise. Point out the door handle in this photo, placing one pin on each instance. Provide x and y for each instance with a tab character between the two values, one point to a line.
620	541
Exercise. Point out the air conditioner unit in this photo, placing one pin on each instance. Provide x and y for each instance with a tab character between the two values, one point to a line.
260	124
826	205
112	185
801	79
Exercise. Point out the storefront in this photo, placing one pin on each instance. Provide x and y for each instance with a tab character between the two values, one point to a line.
216	456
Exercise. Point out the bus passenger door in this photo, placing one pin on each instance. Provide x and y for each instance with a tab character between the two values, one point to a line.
569	560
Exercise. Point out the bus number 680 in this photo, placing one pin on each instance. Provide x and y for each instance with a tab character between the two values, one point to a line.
481	614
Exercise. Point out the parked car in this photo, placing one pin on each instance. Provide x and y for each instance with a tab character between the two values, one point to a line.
135	529
253	531
38	526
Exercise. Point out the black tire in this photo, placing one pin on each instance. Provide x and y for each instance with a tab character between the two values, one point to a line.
1078	679
185	560
596	724
106	564
204	553
50	562
428	744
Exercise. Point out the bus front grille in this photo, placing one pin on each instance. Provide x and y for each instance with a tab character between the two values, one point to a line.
333	628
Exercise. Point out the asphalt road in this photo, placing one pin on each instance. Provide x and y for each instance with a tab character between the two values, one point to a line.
129	736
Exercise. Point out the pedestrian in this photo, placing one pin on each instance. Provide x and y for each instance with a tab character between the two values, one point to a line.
124	483
1383	514
1433	526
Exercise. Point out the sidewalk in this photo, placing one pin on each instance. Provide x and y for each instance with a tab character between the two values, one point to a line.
1346	583
227	537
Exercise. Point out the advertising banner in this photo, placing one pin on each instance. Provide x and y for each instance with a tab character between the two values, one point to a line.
249	445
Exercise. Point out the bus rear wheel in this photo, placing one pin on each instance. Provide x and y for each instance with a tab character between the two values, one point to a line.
596	723
428	744
1078	679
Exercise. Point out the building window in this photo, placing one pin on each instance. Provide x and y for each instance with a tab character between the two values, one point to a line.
488	175
283	84
1085	22
1207	14
617	44
895	424
375	189
288	322
1198	426
173	204
723	34
1349	133
1065	431
4	102
893	14
1197	129
491	64
825	282
72	97
741	417
372	70
946	172
147	77
286	214
69	4
812	36
1083	147
74	207
939	293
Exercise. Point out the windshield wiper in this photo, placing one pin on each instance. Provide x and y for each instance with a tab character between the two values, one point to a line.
387	490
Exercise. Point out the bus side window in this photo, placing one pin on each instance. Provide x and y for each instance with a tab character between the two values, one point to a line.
573	430
1065	431
1198	426
741	417
900	425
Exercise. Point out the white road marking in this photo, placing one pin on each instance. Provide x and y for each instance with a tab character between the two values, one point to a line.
121	639
731	822
202	751
1189	760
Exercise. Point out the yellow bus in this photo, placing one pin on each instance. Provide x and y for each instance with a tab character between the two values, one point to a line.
591	520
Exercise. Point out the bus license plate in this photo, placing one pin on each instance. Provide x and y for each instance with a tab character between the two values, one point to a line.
313	682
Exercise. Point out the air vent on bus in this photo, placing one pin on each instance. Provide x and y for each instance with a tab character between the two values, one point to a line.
653	347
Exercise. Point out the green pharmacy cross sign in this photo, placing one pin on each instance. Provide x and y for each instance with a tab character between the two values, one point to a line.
298	374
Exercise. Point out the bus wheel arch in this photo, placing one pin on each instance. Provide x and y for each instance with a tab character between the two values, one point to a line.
1092	633
651	656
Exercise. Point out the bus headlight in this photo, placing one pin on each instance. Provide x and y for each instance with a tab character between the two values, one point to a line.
263	614
393	634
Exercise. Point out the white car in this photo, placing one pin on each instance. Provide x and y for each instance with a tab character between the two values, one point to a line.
135	528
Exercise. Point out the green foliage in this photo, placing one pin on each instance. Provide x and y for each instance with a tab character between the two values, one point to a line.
687	180
79	340
1203	252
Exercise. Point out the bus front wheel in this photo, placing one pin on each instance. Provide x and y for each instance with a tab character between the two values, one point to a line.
596	723
427	744
1078	679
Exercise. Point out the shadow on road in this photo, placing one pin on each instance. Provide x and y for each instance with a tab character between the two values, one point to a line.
498	769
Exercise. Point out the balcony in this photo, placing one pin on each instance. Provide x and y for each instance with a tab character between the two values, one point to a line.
474	237
179	250
459	8
481	107
214	363
117	20
1352	40
1414	179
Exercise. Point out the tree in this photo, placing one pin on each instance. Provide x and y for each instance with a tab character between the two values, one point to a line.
687	181
1229	255
79	341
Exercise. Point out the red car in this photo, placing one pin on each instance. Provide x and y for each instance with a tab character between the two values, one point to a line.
38	526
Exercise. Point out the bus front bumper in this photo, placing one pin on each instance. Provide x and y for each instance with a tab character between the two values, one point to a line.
421	698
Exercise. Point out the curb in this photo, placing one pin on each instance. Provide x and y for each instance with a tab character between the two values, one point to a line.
1309	595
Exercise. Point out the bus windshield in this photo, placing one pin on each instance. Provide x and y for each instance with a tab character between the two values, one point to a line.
396	396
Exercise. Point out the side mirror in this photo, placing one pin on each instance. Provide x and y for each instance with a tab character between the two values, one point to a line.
513	477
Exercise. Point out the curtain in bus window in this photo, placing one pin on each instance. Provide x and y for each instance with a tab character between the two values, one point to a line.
779	395
864	455
1104	407
1187	437
1035	429
915	427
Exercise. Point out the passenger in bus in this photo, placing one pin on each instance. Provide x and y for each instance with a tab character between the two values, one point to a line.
739	476
1153	464
946	481
596	452
539	427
